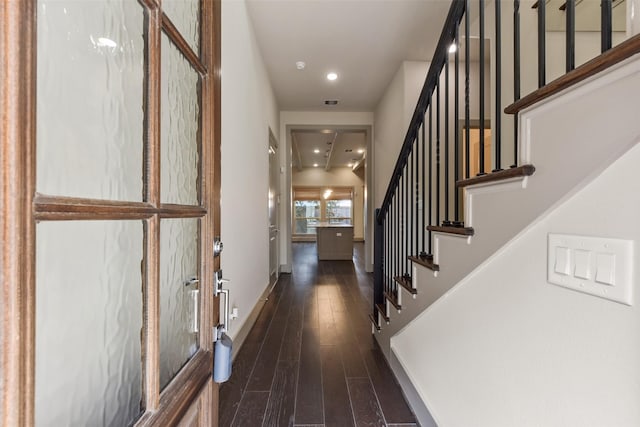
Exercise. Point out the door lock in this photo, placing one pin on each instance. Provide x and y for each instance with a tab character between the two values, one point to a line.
217	246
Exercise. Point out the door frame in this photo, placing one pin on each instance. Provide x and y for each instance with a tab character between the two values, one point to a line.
286	231
22	207
275	157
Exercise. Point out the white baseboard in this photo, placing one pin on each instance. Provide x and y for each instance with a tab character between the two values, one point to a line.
418	407
241	336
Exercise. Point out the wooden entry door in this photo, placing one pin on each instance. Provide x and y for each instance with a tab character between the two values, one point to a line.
110	138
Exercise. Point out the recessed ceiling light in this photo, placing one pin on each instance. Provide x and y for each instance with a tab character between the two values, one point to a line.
316	151
300	65
361	150
452	48
315	165
350	165
332	76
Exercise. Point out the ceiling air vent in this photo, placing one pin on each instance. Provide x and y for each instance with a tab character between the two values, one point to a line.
331	102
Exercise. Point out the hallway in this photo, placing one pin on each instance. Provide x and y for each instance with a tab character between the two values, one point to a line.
310	359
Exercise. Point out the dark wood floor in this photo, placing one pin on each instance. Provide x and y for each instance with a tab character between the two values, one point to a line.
310	359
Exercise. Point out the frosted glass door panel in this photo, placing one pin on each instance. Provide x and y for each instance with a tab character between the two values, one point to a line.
185	16
90	98
180	126
88	323
178	264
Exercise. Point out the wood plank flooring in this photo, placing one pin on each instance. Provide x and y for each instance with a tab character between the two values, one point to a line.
310	359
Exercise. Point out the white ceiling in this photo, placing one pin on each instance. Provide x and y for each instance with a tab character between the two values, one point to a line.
336	148
364	41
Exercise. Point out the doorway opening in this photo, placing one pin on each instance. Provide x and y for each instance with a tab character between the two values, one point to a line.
331	162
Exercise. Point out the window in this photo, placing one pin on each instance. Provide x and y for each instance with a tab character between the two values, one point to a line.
307	216
339	211
313	205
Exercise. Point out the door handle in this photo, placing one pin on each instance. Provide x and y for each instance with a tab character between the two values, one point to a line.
194	296
217	290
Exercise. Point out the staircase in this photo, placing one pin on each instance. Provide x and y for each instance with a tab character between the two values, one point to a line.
444	219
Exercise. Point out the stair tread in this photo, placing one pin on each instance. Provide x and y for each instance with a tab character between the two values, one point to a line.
520	171
393	299
608	59
462	231
374	321
406	283
382	309
425	262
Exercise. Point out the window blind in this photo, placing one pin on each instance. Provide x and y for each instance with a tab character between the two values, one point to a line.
318	193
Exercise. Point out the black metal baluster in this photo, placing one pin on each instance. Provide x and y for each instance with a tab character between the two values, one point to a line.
570	11
399	225
402	219
398	237
424	201
386	248
481	83
407	218
416	220
378	280
393	242
411	194
390	242
438	154
400	232
446	221
497	125
606	13
467	71
430	169
456	130
390	248
395	237
516	75
387	221
542	51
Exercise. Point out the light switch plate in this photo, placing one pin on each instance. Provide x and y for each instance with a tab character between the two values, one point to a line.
596	266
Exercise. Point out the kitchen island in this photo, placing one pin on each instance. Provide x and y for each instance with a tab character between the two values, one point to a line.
334	241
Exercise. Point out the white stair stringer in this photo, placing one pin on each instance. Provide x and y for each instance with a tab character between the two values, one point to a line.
570	138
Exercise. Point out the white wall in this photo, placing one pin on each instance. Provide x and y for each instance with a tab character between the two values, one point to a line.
338	177
415	73
248	111
360	120
392	116
520	351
